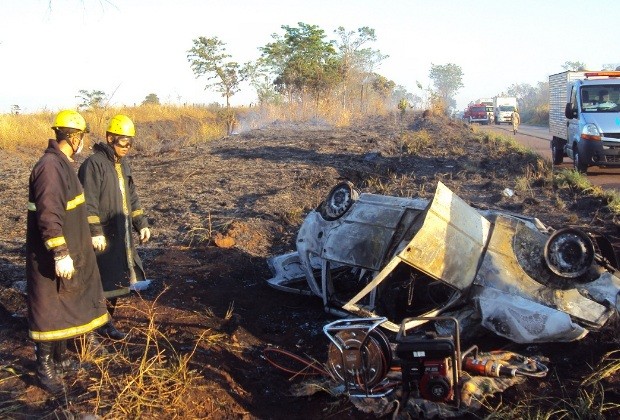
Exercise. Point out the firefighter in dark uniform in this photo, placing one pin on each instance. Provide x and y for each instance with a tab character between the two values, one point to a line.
64	293
113	209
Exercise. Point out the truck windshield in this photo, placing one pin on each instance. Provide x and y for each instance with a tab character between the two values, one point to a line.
505	108
602	98
478	109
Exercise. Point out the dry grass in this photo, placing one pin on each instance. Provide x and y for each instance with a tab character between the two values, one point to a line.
412	142
148	379
607	367
567	178
570	179
157	126
589	404
402	185
162	128
28	130
10	404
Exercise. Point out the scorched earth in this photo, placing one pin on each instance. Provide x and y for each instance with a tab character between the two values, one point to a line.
218	211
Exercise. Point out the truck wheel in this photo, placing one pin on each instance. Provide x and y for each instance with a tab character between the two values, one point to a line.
579	166
557	154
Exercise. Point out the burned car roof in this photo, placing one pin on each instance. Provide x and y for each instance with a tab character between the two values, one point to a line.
375	255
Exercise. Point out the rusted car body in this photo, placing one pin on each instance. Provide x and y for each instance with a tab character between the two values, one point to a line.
368	255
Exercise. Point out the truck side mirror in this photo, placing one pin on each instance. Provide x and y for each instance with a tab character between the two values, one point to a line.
569	112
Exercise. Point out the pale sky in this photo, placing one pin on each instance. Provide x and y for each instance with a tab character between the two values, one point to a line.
52	49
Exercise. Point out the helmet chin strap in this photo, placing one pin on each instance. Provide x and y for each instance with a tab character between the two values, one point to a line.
79	147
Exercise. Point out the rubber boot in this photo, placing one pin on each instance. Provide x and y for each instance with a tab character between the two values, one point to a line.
46	371
94	345
110	331
64	364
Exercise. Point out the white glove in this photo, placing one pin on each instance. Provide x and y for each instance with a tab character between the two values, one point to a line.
64	267
145	235
99	242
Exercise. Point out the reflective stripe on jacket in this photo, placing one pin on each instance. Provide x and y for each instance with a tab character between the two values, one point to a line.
113	209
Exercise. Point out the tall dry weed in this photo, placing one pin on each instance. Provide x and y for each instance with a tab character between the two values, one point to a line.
163	128
158	127
143	377
413	142
25	131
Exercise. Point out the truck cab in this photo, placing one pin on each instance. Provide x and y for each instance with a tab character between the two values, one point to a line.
477	113
504	107
488	103
593	122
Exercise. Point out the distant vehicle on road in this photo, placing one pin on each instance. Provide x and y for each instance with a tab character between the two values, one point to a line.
488	103
503	107
476	113
584	118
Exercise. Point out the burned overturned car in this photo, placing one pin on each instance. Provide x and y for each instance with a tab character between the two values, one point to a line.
369	255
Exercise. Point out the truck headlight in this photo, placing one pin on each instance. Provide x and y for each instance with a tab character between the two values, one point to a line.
590	132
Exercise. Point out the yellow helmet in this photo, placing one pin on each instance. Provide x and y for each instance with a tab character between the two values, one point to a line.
121	125
70	119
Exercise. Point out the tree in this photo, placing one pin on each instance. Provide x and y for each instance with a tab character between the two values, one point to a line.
448	79
357	63
207	58
525	94
302	61
93	99
533	101
151	99
382	85
574	66
256	75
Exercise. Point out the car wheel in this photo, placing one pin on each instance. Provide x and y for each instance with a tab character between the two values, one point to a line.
339	200
569	252
579	166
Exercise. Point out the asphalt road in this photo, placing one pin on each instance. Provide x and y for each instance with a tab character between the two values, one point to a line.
538	138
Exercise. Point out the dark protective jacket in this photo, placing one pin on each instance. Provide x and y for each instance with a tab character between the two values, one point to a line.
113	208
59	309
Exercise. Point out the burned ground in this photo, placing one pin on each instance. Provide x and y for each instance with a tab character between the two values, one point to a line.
219	210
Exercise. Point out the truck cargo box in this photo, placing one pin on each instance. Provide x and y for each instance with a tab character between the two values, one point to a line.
559	89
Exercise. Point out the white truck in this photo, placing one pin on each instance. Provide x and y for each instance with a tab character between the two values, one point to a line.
584	118
503	107
488	103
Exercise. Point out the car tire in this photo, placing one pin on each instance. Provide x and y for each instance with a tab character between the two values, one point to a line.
569	253
339	201
579	166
